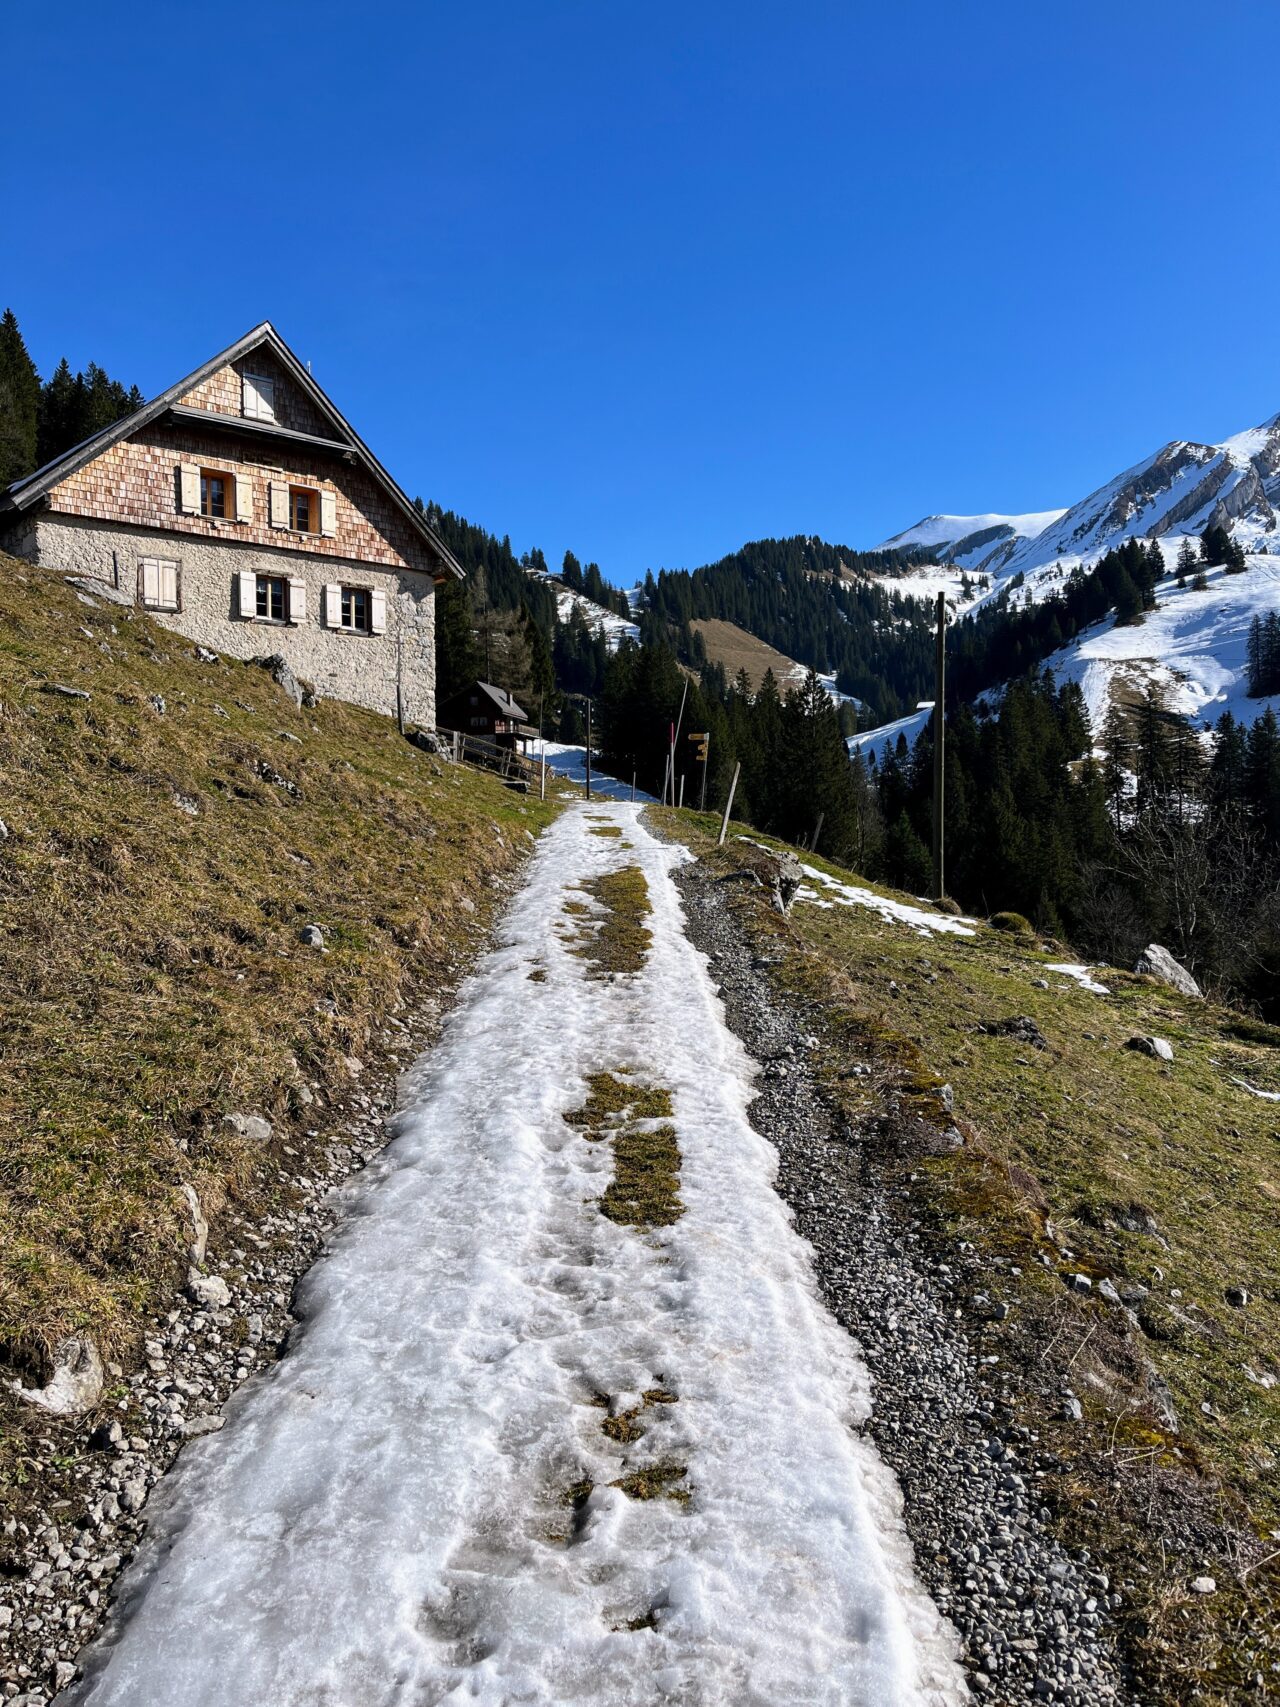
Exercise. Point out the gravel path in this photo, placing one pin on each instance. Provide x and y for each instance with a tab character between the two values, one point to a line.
1033	1618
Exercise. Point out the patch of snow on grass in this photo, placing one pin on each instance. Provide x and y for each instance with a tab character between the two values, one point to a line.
1081	974
895	912
1267	1096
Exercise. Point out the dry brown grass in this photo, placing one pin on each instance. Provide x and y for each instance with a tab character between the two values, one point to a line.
153	885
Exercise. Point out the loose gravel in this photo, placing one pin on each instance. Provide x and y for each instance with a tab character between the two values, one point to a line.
1033	1618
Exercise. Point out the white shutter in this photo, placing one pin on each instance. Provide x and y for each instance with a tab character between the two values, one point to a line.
244	498
189	488
168	583
333	605
377	611
297	600
248	584
328	514
150	581
279	504
258	401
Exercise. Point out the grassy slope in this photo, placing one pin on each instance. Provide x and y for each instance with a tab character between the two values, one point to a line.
736	649
153	976
1067	1144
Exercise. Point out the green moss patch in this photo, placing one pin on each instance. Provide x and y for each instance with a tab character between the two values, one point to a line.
613	937
645	1189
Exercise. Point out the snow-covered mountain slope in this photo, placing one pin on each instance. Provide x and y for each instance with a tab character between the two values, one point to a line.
980	545
614	627
1192	646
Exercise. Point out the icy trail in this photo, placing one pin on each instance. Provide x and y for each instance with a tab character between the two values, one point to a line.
386	1517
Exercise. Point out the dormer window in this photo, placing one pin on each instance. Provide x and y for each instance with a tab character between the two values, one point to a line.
259	397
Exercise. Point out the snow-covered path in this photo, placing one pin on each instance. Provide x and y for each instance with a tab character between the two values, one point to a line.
388	1519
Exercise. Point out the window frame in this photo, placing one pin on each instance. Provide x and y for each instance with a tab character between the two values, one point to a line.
348	592
262	615
175	609
228	483
312	495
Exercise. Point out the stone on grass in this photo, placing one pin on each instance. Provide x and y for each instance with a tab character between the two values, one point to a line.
312	936
1203	1585
65	692
1157	962
1159	1048
199	1226
252	1126
76	1384
1237	1296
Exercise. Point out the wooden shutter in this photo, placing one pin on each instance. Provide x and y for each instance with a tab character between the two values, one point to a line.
149	575
189	489
244	498
328	514
248	584
279	504
333	605
167	578
377	611
297	600
258	398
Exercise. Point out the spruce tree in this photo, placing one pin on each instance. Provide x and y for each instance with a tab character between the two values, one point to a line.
19	403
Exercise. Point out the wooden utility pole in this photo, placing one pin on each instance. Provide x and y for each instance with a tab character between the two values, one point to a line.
588	747
939	766
817	831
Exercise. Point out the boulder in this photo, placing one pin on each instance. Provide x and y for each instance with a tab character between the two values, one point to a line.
312	936
76	1384
283	676
1157	962
437	744
786	875
1159	1048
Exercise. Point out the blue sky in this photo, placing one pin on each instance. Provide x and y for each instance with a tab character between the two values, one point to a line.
649	281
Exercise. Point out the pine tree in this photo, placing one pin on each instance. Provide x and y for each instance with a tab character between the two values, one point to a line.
1186	560
19	403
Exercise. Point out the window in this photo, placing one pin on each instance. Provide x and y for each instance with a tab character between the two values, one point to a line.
159	583
273	598
355	609
259	400
304	509
214	493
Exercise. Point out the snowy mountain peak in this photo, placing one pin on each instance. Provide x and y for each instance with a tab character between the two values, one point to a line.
979	544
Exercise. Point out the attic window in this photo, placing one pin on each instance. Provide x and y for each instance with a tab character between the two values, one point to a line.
259	397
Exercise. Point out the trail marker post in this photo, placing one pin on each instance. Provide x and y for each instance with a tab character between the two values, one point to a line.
728	805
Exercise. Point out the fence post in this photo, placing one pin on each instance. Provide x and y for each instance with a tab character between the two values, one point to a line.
728	805
817	831
681	806
544	776
633	787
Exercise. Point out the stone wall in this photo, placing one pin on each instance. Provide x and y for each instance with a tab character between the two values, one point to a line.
360	668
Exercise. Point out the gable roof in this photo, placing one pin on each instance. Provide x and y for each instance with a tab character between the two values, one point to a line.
499	697
33	487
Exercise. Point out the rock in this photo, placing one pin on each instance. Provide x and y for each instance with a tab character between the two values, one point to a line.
1157	962
157	703
133	1495
4	831
440	746
1159	1048
1022	1027
76	1385
210	1291
251	1126
1072	1409
1080	1283
194	1427
312	936
64	692
204	655
63	1673
1203	1585
785	877
199	1226
1237	1296
1107	1290
107	1437
282	676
